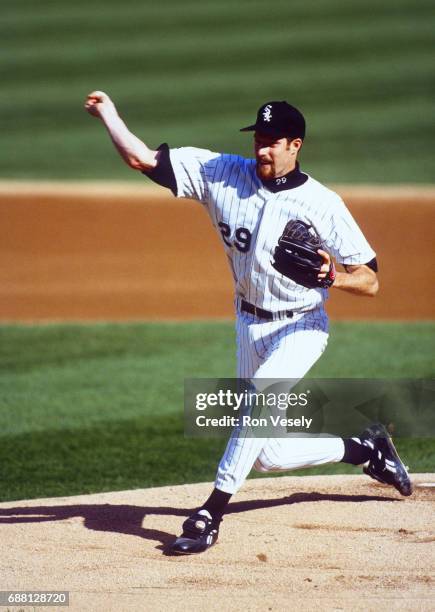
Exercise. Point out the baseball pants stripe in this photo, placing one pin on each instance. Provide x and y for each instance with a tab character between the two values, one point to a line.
295	346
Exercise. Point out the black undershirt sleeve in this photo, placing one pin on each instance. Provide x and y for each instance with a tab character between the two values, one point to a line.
372	264
163	173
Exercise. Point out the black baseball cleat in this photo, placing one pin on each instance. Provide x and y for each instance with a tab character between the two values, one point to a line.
385	464
200	532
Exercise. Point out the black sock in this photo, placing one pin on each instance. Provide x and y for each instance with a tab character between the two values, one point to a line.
217	504
355	452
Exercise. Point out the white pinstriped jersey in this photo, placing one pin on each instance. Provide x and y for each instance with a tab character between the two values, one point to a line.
250	219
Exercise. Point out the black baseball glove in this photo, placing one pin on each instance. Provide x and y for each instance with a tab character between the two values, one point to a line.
297	258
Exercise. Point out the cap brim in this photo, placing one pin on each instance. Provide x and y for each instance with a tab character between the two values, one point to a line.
250	128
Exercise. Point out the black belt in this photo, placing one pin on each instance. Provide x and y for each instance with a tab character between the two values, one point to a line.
265	314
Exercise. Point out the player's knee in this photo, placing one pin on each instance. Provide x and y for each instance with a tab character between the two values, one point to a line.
262	464
259	467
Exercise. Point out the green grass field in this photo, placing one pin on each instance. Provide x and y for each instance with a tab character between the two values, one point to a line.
193	73
87	408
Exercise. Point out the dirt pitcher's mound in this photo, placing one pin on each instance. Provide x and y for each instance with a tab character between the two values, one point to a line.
311	543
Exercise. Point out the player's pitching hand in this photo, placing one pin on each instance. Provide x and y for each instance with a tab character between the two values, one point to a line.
98	103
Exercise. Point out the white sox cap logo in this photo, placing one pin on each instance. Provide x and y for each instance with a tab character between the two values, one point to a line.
267	113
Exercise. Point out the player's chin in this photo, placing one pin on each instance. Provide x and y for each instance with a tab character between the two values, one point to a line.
264	171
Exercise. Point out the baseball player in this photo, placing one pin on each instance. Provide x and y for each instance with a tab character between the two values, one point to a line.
282	327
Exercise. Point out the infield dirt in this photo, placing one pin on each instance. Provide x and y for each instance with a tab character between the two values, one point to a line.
123	252
292	543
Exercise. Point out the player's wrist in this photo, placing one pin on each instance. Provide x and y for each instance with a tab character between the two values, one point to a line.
108	113
339	280
332	274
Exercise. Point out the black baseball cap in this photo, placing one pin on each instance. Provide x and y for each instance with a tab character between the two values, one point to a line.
278	119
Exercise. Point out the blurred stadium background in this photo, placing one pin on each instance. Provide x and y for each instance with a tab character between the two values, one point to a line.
193	73
89	407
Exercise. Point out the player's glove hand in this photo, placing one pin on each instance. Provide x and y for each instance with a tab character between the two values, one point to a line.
297	256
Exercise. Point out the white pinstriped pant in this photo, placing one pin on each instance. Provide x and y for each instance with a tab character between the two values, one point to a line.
276	350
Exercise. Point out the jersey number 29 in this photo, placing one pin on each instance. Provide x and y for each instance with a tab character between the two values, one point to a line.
242	240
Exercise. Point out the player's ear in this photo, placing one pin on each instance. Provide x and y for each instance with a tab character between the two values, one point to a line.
294	145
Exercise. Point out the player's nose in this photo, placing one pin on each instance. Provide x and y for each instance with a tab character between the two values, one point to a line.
262	151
